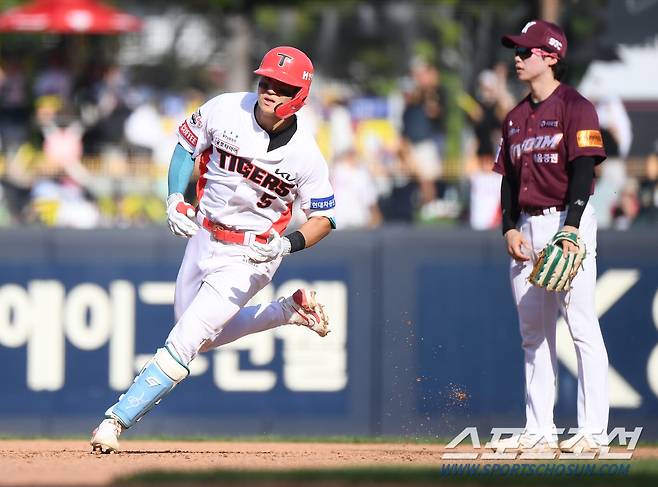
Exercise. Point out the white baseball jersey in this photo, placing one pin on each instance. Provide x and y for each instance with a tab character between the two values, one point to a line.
244	186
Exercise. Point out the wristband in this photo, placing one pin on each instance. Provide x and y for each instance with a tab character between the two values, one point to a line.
297	241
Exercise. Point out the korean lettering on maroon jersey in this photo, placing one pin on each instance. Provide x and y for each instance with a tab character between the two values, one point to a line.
538	142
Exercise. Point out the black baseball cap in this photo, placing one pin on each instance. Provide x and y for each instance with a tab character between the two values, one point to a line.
539	33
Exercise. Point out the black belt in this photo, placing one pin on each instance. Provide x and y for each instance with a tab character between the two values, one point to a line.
536	210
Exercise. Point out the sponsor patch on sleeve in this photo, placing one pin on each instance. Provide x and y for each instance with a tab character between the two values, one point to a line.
196	119
187	134
323	203
589	138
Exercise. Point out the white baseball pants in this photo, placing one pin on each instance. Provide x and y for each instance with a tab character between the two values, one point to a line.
214	283
538	313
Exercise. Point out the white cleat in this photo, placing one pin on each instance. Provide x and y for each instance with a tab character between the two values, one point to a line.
105	438
585	444
525	443
307	311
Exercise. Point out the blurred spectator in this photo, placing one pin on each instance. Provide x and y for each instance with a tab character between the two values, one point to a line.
62	146
22	166
378	147
5	216
487	111
422	128
339	119
97	139
356	195
611	180
59	195
485	212
612	199
400	188
14	106
648	191
55	80
150	129
494	101
143	128
628	206
613	117
105	112
62	202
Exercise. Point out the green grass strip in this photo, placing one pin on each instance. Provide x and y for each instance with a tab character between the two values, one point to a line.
641	474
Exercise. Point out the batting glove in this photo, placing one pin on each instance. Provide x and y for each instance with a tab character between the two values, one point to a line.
180	216
275	247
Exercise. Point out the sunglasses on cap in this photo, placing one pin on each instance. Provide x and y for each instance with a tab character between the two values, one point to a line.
526	52
280	89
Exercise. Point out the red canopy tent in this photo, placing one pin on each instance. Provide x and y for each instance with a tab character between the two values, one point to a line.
68	17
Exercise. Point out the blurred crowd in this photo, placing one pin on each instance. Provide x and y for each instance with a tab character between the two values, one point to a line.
85	152
93	150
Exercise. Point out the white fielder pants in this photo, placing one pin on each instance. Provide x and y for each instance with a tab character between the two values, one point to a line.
538	313
213	285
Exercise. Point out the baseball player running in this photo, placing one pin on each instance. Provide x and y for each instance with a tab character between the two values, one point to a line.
550	145
255	161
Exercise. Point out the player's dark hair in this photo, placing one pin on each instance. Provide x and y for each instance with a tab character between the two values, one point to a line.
559	69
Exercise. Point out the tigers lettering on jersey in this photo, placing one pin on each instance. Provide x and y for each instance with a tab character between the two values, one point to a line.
539	142
254	173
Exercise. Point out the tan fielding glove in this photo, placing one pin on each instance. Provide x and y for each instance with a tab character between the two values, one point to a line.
554	270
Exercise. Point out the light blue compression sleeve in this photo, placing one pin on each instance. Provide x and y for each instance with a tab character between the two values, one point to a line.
180	170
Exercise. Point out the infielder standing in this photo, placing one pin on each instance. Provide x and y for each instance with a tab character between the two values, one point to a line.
255	161
550	145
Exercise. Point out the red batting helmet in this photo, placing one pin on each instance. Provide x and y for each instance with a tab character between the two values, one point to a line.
292	67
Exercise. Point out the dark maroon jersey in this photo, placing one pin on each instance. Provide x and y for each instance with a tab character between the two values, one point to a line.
539	141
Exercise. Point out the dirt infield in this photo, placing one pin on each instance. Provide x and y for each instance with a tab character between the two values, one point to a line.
70	462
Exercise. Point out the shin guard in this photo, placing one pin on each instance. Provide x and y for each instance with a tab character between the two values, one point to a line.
158	377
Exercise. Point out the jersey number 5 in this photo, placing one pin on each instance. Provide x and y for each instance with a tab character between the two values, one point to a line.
265	200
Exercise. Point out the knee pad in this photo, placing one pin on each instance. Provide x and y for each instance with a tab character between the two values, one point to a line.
158	377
